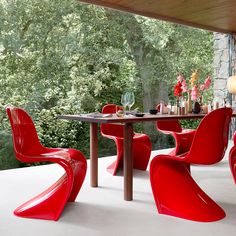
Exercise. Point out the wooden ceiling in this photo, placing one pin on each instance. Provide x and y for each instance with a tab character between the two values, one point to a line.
214	15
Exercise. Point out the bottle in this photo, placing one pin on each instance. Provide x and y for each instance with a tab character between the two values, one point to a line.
185	106
189	103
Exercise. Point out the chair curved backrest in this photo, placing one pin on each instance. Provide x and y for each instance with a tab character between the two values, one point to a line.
25	138
211	138
111	129
168	125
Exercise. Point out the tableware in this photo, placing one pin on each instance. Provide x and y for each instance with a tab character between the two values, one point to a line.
124	100
139	114
98	115
153	111
120	113
130	99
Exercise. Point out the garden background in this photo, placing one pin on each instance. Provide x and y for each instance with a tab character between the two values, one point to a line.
64	57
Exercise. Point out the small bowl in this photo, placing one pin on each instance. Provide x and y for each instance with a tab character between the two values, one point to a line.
139	114
120	113
153	111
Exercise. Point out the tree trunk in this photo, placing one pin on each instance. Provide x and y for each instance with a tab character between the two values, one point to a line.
153	89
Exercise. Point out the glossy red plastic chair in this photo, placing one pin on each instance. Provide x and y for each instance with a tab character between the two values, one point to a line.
232	159
174	190
183	137
141	143
49	204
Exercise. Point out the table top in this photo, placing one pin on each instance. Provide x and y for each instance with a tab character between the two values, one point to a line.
113	118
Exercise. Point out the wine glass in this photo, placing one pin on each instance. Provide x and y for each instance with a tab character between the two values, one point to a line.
131	99
124	100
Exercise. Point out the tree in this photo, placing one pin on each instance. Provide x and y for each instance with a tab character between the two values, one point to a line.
64	57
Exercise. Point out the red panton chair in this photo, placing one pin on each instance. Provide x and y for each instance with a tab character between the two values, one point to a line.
232	159
183	137
141	143
174	190
49	204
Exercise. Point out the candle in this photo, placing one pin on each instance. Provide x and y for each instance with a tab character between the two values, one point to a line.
165	110
209	108
205	109
182	111
215	105
175	110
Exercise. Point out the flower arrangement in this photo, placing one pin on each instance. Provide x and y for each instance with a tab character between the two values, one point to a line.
196	88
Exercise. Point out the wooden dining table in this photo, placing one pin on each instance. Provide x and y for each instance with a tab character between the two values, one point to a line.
128	121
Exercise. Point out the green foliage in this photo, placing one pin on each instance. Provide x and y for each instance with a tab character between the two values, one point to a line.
7	154
54	132
62	57
190	124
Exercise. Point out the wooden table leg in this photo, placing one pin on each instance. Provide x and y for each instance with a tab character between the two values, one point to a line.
128	162
93	154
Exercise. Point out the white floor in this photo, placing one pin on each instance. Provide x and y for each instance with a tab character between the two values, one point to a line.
102	210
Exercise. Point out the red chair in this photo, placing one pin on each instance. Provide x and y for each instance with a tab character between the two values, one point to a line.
183	137
232	159
175	192
141	143
49	204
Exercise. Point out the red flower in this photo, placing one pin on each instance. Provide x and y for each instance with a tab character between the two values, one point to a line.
207	82
178	89
195	93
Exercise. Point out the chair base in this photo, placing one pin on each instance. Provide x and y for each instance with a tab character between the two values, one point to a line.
177	194
112	168
141	154
49	204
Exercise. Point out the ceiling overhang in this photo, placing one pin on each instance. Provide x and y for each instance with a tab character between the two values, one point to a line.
214	15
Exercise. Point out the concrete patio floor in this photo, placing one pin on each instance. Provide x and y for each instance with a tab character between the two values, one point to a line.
102	210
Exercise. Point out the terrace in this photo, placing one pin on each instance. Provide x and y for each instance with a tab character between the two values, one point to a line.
102	211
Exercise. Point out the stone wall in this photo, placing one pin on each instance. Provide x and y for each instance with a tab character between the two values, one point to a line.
221	64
